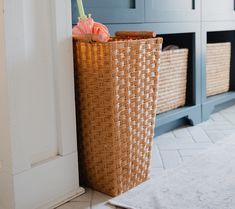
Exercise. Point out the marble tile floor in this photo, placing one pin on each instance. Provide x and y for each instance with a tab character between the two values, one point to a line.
169	151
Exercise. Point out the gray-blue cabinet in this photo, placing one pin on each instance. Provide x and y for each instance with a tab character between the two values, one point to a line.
216	10
112	11
186	23
172	10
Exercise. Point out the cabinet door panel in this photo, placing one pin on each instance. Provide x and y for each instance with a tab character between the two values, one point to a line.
172	10
218	10
112	11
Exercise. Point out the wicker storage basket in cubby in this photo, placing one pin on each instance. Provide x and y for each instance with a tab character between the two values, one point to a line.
218	60
172	80
116	94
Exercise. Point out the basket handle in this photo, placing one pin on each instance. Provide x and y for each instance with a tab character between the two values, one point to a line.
135	34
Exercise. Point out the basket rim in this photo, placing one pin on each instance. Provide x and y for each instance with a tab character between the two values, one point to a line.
220	43
111	41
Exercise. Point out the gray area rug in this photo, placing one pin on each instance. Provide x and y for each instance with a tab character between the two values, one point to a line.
207	182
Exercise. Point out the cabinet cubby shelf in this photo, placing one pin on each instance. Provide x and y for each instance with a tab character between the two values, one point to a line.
217	33
220	98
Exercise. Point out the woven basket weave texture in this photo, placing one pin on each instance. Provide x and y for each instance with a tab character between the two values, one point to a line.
218	62
116	89
172	80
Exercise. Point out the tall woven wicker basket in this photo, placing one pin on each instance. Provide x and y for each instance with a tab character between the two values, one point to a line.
116	89
218	68
172	80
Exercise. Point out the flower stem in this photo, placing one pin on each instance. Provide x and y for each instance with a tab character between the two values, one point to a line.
81	9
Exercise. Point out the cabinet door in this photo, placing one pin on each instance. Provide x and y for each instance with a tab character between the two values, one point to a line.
112	11
218	10
172	10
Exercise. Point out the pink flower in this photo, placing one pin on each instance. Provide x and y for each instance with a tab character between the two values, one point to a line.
84	26
102	31
88	28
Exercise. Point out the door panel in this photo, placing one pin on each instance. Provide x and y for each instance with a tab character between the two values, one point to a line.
39	112
40	168
172	10
218	10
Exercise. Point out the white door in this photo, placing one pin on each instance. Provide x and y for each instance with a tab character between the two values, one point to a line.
38	150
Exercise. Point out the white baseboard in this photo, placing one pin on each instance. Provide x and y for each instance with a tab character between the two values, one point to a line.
60	201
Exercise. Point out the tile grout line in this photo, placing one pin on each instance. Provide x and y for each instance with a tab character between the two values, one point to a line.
163	165
231	123
195	141
173	133
186	129
180	155
209	137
